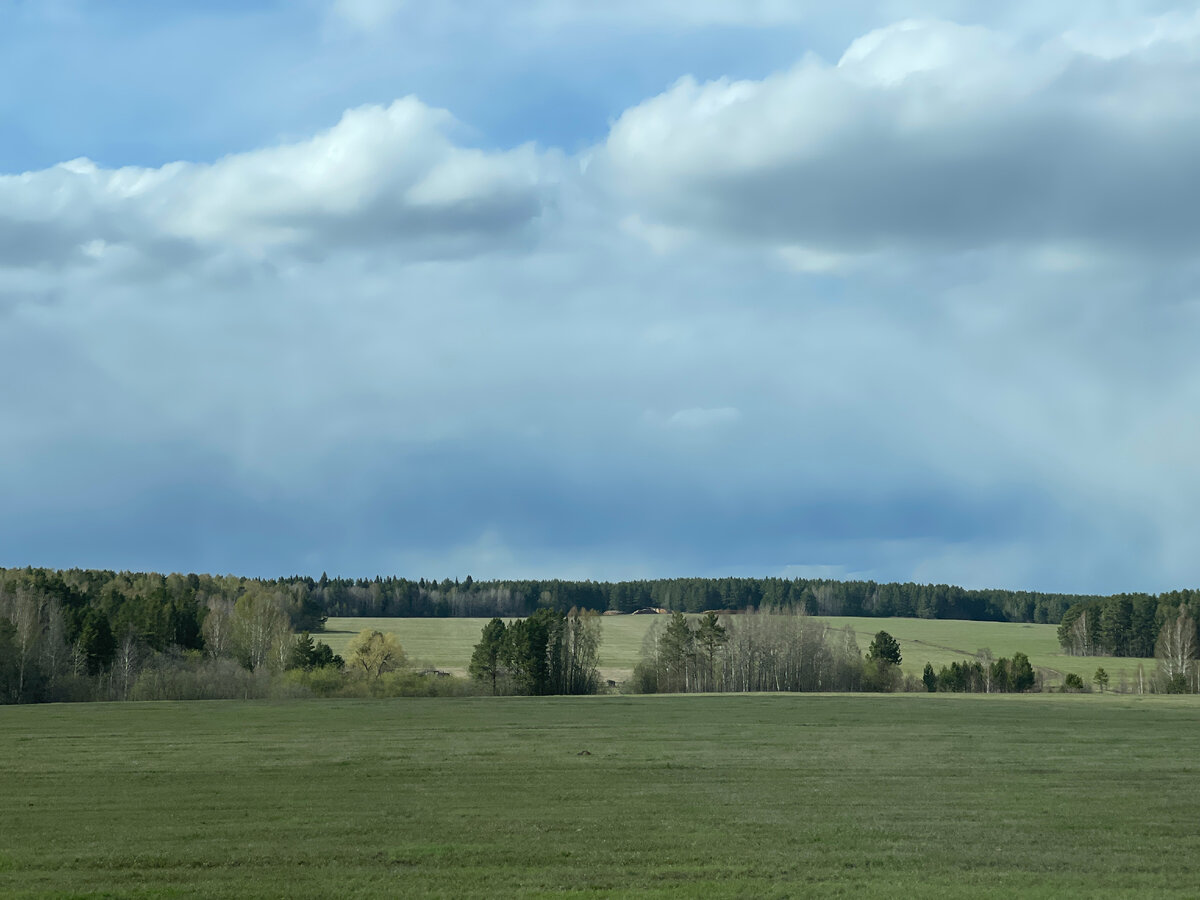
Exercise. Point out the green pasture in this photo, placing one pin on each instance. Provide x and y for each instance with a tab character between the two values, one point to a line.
447	643
862	796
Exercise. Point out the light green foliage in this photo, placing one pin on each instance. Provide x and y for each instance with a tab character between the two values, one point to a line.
375	652
686	796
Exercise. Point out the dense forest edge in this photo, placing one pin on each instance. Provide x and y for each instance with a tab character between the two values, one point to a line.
81	634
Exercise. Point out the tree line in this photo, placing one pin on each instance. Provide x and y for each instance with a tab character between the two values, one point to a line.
823	597
168	609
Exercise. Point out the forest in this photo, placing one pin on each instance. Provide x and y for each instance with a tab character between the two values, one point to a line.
1123	624
168	608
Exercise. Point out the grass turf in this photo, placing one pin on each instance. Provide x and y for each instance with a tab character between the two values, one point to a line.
692	796
447	643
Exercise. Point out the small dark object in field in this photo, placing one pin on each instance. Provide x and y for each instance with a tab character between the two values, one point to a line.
584	753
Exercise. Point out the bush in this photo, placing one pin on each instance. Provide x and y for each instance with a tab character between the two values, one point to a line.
1177	684
1073	683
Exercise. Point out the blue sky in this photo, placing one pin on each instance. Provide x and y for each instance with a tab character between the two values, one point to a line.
903	291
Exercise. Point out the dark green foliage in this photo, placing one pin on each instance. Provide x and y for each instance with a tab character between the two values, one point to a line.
1176	684
1122	625
1073	682
1021	676
488	659
677	655
884	648
529	641
1002	676
962	678
930	678
711	637
546	653
96	642
882	670
9	675
307	654
1100	679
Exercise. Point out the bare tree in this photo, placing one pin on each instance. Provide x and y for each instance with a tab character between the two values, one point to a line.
127	663
1176	647
1081	636
987	660
25	610
260	625
55	652
217	628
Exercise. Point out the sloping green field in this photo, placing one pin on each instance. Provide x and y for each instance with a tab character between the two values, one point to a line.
924	795
447	643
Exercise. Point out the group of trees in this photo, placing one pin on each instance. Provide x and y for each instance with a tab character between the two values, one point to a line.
88	635
1124	624
983	675
1142	626
770	650
547	653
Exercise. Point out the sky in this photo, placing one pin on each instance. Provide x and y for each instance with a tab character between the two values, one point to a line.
904	291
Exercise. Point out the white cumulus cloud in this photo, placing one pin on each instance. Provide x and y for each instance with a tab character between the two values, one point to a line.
389	176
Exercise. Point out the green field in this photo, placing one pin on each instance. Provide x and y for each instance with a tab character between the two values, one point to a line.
447	643
681	796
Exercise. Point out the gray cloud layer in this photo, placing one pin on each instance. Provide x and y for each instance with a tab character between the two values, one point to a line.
928	313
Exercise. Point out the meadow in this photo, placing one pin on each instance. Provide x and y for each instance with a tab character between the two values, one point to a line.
447	643
924	795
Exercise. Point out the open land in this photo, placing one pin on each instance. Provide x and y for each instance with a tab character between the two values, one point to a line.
447	643
703	796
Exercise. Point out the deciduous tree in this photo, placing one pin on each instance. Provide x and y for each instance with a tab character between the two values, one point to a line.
1176	647
375	653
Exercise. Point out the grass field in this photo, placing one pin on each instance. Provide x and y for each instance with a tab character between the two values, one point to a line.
681	796
447	643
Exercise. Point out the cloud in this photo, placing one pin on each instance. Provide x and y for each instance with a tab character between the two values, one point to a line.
928	312
699	417
390	177
929	136
369	15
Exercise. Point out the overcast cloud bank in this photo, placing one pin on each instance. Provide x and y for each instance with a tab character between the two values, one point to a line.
922	308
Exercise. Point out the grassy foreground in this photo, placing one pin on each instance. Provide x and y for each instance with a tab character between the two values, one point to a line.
447	643
694	796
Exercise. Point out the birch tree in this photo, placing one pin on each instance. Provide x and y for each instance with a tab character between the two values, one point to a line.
1176	647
